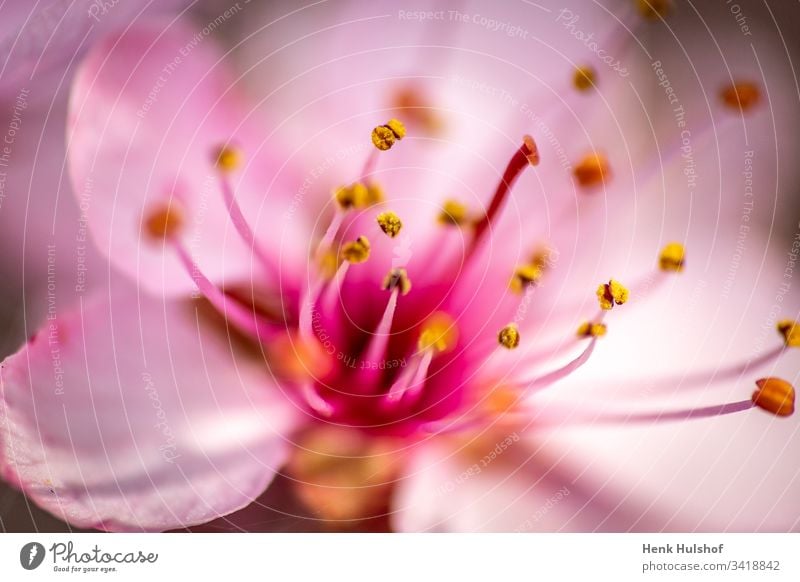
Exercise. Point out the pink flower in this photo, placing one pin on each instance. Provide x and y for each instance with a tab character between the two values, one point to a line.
414	293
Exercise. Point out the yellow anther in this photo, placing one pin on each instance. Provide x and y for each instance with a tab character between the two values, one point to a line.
390	223
790	330
397	279
355	195
374	193
397	127
584	78
439	333
508	337
329	262
228	158
356	251
164	221
775	395
384	136
544	257
453	213
611	293
654	9
592	170
672	257
592	329
524	277
741	95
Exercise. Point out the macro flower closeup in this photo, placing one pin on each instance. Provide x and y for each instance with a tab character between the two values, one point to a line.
461	266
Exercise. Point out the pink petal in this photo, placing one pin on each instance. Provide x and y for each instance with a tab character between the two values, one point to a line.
149	108
39	41
507	483
134	414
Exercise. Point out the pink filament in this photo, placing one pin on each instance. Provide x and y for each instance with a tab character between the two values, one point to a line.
561	373
518	162
241	225
380	339
244	319
646	417
412	380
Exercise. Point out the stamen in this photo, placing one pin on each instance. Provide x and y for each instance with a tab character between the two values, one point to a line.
397	279
356	251
741	95
672	258
227	159
413	379
524	277
390	223
790	330
610	294
329	263
439	334
380	339
385	136
314	400
775	395
355	195
526	155
654	9
509	337
333	290
572	417
453	213
375	193
245	319
593	170
164	221
544	257
560	373
592	329
584	78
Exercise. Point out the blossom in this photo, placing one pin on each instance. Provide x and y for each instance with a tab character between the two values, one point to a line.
387	309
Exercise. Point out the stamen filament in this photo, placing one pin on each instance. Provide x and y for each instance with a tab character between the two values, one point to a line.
333	291
559	374
244	319
242	226
526	155
645	417
380	339
411	383
314	400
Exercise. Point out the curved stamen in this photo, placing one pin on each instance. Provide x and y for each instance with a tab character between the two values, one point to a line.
571	417
228	159
332	293
380	338
413	379
314	400
559	374
526	155
245	319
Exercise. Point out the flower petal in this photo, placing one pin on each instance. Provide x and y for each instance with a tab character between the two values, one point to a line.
149	110
505	482
134	414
